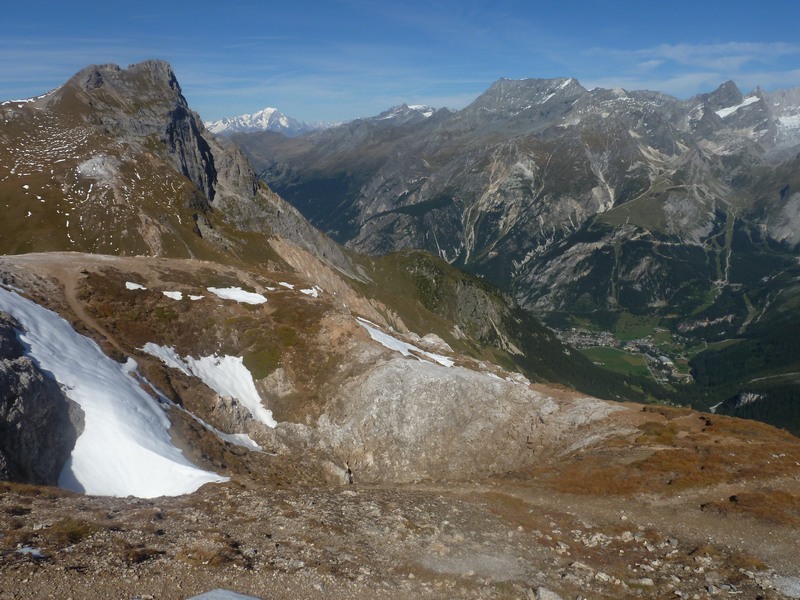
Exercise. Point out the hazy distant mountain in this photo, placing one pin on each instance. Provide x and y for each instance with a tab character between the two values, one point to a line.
508	181
268	119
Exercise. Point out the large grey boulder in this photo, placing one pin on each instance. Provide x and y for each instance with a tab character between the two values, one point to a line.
38	424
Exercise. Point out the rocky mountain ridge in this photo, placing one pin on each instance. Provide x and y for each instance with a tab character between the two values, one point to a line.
513	124
96	147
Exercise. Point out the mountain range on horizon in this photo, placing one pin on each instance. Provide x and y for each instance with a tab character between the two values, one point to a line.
266	119
271	119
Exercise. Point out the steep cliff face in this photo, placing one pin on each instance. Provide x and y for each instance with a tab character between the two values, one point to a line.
143	105
38	424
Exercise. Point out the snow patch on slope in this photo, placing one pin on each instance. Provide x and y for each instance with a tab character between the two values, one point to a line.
125	448
400	346
726	112
314	291
226	375
789	122
238	294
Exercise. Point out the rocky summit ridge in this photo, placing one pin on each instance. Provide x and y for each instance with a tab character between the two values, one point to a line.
373	426
115	161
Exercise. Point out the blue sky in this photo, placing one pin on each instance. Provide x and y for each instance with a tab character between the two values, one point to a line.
325	60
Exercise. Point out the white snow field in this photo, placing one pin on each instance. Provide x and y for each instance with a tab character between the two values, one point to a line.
226	375
125	448
238	294
400	346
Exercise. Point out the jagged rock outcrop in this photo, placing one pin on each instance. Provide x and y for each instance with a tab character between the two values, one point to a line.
128	160
144	103
148	104
38	423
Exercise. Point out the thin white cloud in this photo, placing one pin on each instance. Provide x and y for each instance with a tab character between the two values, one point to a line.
686	69
649	65
730	54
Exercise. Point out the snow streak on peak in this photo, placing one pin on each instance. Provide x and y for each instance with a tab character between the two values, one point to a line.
726	112
424	110
125	448
404	348
29	100
404	113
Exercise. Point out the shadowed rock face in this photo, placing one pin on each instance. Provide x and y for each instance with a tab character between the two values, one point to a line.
38	424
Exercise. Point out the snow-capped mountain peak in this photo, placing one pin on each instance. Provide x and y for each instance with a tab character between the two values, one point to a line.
423	109
267	119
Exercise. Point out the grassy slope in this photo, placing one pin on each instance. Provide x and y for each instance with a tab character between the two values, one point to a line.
432	296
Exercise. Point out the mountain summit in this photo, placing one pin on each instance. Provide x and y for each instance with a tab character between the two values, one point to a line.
115	161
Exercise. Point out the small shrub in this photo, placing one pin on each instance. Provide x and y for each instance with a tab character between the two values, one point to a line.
17	511
71	531
140	554
657	433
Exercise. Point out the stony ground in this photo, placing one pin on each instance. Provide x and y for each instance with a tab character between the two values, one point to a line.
497	539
